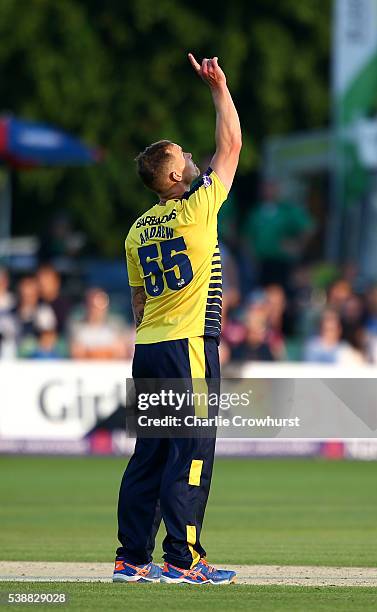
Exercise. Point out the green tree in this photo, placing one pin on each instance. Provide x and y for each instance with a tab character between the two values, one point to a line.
115	73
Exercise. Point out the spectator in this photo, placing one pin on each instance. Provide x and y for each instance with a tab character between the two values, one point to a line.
277	230
6	297
328	347
49	282
276	318
338	294
352	318
232	331
99	336
61	241
224	353
26	313
255	346
371	316
8	328
371	323
48	345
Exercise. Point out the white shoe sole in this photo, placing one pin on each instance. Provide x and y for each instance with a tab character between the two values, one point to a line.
142	579
168	580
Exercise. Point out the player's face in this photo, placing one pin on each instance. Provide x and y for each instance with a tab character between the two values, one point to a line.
187	167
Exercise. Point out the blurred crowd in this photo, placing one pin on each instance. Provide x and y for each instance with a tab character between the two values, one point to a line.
337	325
301	322
278	305
39	321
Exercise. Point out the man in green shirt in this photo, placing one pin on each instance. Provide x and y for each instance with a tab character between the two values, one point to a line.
277	231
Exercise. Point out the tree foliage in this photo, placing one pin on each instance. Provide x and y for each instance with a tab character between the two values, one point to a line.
115	73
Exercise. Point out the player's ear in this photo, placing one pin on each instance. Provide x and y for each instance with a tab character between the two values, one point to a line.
175	176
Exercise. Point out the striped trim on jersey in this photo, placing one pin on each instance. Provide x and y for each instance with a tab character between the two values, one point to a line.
212	323
198	184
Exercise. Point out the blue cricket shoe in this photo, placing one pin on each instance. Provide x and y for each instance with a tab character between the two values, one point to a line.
201	573
126	572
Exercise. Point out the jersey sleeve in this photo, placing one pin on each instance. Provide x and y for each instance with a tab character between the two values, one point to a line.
134	278
203	202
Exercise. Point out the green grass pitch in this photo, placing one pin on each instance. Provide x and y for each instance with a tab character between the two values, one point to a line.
298	512
271	511
87	597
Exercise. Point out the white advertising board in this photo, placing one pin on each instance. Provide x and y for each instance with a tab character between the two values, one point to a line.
58	400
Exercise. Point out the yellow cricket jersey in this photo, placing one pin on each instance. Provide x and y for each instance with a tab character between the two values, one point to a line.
172	250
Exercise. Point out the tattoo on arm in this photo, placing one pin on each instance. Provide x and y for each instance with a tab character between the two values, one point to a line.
138	299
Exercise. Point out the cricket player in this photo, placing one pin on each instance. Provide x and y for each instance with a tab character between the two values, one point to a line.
174	271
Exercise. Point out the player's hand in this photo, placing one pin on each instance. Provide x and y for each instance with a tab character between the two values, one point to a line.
209	71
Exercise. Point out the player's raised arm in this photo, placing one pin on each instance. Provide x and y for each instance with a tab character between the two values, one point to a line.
228	129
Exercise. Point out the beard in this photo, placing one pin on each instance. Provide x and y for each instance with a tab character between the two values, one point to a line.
195	171
192	172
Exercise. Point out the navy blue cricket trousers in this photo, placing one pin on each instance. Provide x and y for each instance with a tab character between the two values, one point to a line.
168	478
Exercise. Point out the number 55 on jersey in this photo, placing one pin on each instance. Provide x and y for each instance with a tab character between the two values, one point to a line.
172	251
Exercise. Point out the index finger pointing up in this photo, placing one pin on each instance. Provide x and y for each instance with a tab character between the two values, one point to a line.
193	62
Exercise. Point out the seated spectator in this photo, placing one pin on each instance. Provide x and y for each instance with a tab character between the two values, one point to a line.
352	319
338	293
328	346
6	297
224	353
48	345
8	328
49	283
8	336
371	316
276	319
99	336
371	323
26	313
255	346
232	331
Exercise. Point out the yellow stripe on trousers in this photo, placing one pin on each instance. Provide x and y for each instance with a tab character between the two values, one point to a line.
191	541
198	374
195	472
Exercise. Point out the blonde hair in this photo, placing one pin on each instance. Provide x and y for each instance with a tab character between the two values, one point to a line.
151	164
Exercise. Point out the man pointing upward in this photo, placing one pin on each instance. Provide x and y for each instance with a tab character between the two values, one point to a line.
174	271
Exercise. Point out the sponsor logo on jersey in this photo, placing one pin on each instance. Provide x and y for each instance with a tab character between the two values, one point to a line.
207	181
153	220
